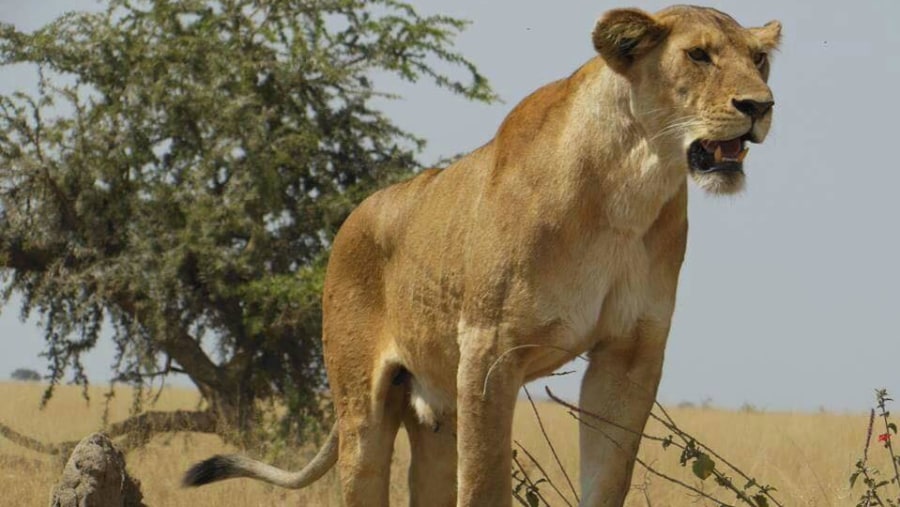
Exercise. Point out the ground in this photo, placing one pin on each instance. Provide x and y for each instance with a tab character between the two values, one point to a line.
808	457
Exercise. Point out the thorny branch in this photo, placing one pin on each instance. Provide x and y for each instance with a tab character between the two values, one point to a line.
550	444
691	449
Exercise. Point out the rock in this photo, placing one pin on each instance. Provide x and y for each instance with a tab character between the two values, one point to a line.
95	476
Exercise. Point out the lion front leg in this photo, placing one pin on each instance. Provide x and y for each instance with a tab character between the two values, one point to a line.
487	384
619	386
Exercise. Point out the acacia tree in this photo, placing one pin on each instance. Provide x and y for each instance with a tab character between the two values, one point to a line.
178	176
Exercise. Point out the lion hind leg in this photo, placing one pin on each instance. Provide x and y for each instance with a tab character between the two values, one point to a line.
366	447
432	466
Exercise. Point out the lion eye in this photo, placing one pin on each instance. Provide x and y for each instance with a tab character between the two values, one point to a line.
699	55
760	59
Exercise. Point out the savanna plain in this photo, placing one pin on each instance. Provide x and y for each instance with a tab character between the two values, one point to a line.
806	456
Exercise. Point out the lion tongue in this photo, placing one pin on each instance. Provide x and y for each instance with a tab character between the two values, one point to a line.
730	148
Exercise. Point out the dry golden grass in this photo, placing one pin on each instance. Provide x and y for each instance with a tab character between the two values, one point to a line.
808	457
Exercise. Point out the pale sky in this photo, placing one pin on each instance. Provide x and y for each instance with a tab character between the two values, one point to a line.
788	298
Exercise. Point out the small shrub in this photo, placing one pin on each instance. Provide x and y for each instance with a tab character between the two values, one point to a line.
881	489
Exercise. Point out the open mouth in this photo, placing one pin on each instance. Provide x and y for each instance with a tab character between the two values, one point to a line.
707	156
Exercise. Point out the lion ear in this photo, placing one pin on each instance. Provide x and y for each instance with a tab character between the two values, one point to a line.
622	35
769	35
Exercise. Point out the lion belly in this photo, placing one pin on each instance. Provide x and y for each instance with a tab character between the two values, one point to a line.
601	295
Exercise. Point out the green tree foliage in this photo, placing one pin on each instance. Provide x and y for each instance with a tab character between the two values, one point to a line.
180	172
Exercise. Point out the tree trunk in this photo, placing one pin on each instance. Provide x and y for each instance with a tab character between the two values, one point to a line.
233	404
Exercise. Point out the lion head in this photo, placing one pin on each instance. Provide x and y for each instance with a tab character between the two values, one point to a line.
698	84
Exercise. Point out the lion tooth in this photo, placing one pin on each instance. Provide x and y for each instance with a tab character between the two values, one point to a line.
718	154
743	154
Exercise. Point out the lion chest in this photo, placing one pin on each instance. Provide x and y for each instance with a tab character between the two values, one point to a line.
602	293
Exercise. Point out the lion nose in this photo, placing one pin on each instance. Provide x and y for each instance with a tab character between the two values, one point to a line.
753	108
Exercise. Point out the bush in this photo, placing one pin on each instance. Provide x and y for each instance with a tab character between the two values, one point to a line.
25	375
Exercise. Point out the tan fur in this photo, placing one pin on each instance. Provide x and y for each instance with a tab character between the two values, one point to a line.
564	235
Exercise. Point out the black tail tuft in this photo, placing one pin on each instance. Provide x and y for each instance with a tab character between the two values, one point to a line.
213	469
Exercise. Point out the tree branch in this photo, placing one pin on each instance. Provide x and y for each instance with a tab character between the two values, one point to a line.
29	260
180	346
137	430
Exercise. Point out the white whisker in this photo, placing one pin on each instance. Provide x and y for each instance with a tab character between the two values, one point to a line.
678	125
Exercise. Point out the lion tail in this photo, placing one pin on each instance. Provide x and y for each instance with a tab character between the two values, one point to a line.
218	468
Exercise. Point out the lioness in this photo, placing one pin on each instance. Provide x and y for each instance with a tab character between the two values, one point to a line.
563	235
